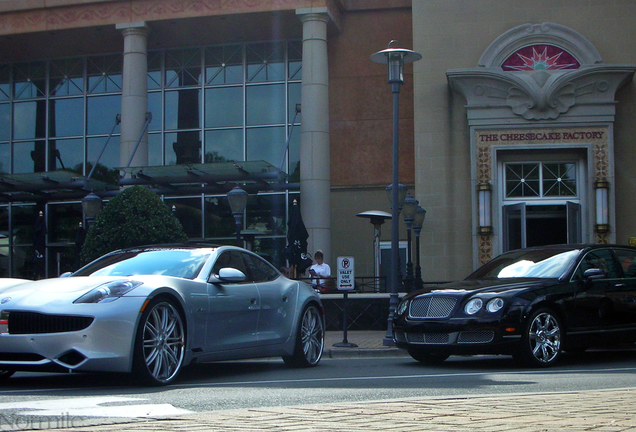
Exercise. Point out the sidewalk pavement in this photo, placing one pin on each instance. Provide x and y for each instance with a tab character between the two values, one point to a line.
598	411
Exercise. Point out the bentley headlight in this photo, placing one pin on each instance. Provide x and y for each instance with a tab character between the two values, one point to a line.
473	306
495	305
402	307
109	291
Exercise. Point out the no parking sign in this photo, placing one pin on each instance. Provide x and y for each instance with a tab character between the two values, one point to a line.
346	275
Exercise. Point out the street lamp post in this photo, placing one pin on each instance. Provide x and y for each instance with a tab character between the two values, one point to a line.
91	205
418	221
409	208
394	58
238	201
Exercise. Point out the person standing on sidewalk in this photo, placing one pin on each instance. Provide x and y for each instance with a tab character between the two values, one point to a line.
318	272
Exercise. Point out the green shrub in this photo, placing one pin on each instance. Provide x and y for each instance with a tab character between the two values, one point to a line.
134	217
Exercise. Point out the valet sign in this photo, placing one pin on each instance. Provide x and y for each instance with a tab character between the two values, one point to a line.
346	276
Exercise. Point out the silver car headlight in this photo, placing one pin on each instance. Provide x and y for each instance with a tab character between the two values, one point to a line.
109	291
473	306
402	307
495	305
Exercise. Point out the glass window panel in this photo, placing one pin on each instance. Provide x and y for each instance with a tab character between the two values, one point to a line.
182	109
224	145
559	179
66	154
23	218
63	222
66	77
522	180
267	144
293	168
5	122
101	114
154	108
28	157
154	70
5	82
219	221
265	62
104	73
266	213
266	104
224	65
29	120
183	148
188	211
294	99
155	150
29	80
62	260
66	117
271	249
295	59
224	107
5	158
183	68
105	169
22	265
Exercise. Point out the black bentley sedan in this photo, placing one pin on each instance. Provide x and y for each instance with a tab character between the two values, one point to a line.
533	304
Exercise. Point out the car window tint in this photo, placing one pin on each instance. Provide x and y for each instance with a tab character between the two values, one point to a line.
600	259
627	260
232	259
261	270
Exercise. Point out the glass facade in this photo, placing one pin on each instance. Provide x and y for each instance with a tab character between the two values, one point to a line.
208	104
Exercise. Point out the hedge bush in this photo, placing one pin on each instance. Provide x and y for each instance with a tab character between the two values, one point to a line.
134	217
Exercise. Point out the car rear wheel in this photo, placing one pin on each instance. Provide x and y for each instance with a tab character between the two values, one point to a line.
428	358
160	343
310	339
541	341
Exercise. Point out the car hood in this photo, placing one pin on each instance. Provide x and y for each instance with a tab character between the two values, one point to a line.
472	287
50	292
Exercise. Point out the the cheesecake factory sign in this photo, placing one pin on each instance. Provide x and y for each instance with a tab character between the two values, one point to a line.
559	136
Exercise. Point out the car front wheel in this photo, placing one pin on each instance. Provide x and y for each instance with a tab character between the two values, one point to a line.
160	343
541	341
310	339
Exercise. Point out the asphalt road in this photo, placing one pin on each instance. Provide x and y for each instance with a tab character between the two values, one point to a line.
264	383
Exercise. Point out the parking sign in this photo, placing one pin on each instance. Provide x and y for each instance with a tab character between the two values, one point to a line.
346	275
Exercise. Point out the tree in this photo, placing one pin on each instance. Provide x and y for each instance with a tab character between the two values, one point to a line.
134	217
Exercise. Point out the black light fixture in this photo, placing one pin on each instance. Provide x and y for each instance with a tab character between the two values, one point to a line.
238	201
91	205
394	58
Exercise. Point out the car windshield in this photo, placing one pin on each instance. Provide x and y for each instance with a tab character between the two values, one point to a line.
536	263
183	263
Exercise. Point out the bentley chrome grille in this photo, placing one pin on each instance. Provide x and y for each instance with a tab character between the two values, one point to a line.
432	307
428	338
476	336
38	323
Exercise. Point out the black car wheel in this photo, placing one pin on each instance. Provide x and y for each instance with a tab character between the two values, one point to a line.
310	340
541	341
160	343
428	358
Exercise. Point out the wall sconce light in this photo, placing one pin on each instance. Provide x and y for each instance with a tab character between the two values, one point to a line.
602	206
484	195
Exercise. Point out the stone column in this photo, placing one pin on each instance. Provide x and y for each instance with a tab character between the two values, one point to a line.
315	183
134	99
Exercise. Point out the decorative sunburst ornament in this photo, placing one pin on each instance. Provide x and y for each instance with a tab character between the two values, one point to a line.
540	57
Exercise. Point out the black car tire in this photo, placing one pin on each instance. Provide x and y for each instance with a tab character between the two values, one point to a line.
6	374
428	358
159	344
310	339
541	342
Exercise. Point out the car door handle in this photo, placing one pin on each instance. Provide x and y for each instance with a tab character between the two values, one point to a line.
620	285
253	301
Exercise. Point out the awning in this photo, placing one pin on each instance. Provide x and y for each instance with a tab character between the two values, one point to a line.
171	180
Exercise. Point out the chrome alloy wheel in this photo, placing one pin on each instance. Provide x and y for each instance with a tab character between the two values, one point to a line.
163	343
312	335
545	337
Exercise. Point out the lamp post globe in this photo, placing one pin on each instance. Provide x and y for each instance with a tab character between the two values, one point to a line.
238	202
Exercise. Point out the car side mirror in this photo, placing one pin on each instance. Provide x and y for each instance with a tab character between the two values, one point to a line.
593	274
228	275
65	275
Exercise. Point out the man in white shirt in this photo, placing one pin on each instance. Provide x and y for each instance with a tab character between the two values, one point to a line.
318	271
